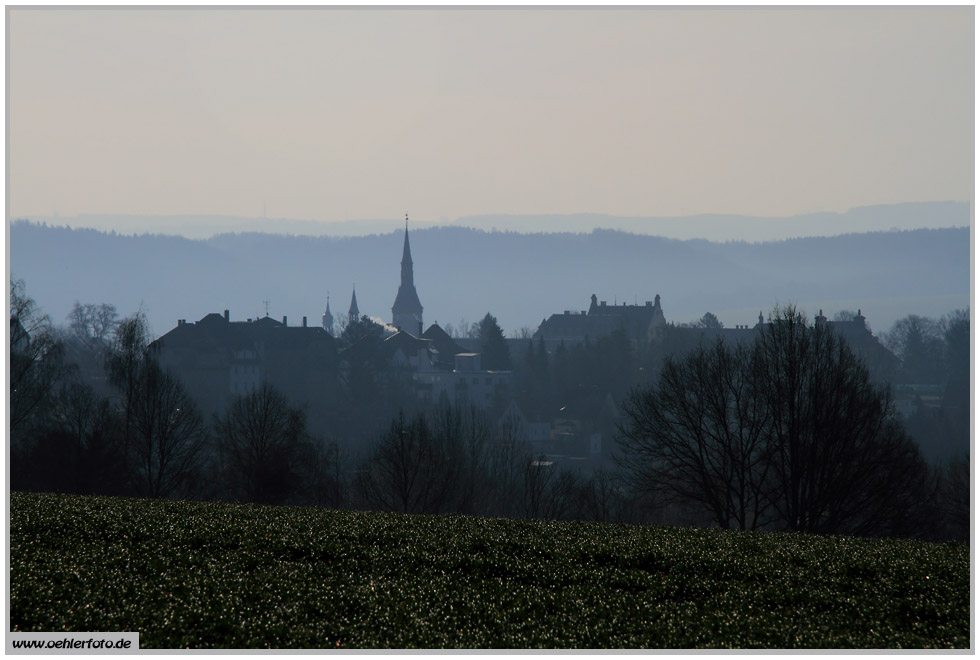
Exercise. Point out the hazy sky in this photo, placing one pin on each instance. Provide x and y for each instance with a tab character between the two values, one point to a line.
336	114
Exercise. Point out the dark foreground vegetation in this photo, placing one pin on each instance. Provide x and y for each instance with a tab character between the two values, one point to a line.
244	576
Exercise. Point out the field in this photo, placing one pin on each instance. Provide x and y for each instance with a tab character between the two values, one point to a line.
187	574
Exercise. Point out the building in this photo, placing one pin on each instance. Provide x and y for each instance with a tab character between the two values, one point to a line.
640	322
217	359
465	384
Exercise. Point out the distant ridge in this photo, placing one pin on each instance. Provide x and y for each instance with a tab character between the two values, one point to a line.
714	227
728	227
463	273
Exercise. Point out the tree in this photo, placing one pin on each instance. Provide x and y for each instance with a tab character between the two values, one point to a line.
494	349
125	361
79	450
36	360
93	325
409	470
167	435
917	341
789	430
955	329
549	492
709	321
700	436
259	440
163	434
839	462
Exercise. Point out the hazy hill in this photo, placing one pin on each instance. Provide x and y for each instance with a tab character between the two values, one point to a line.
717	227
463	273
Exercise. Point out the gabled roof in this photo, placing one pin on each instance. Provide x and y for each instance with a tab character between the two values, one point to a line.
442	342
405	341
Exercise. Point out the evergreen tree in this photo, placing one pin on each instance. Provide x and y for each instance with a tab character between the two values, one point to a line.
495	353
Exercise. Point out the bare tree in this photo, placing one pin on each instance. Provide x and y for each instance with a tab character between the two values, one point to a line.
409	470
550	492
606	497
466	436
167	435
36	360
259	440
700	436
80	449
838	461
790	430
918	341
125	365
93	325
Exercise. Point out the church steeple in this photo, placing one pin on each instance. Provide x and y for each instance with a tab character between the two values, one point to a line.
328	317
406	313
353	314
408	277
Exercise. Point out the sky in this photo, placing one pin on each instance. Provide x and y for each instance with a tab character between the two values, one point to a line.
347	114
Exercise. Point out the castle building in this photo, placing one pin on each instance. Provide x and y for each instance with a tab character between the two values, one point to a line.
218	359
640	322
406	313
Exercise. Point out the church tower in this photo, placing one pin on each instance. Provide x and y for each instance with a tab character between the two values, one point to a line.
406	313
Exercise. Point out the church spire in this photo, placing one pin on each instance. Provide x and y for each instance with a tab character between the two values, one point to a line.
407	275
328	317
353	314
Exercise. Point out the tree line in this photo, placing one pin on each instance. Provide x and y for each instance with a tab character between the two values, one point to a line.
788	433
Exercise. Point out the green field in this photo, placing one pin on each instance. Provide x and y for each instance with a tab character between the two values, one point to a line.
187	574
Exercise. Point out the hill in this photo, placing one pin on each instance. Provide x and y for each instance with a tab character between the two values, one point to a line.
211	575
717	226
462	273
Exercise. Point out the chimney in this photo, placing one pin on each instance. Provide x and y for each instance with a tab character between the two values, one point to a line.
602	303
226	316
649	303
304	321
284	320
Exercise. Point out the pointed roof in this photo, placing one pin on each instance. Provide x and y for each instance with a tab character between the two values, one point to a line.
353	303
406	250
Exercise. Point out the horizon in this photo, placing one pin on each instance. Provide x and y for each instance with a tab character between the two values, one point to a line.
710	227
